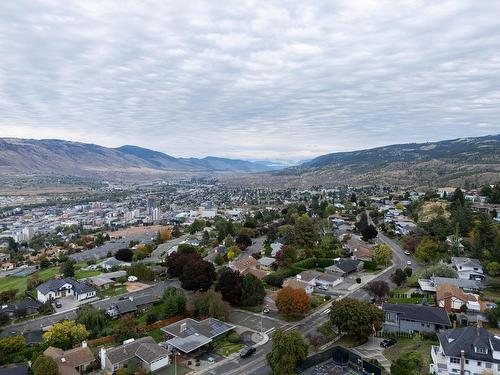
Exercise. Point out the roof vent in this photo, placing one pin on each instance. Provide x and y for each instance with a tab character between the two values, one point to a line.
63	360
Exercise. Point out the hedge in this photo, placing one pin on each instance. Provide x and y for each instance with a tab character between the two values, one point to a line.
370	265
306	263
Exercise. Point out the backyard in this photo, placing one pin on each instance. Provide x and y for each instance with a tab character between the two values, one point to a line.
416	344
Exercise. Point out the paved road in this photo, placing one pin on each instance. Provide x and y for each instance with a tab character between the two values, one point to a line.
46	321
156	255
112	246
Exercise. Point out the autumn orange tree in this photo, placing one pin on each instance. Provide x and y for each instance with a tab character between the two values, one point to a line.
164	234
293	301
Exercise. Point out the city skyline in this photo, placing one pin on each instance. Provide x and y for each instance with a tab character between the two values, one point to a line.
256	81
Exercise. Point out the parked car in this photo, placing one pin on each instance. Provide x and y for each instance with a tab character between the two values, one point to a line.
407	252
266	310
408	263
323	287
58	303
387	343
247	352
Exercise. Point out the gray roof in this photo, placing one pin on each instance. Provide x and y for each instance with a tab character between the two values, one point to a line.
461	283
464	261
56	285
266	261
145	300
151	352
128	351
126	306
347	265
196	333
420	313
457	339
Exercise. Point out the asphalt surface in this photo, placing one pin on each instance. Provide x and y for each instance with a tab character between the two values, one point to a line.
257	246
45	321
112	246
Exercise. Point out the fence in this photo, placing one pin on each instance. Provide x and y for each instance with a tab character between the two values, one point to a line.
394	334
159	324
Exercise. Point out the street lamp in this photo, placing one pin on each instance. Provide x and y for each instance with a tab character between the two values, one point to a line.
261	317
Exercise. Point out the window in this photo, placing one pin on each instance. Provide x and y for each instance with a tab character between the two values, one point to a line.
478	364
466	361
454	360
487	365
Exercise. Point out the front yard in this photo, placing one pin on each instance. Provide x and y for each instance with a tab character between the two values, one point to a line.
113	291
416	344
225	348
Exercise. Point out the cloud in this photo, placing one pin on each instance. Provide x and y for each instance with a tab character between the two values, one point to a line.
249	79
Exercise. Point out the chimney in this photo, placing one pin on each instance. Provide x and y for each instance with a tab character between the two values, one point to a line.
478	328
84	344
462	362
102	355
299	277
454	324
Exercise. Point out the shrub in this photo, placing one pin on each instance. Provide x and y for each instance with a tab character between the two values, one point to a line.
306	263
274	279
370	265
234	338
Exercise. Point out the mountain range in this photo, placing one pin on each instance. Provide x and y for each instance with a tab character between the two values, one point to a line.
449	162
59	157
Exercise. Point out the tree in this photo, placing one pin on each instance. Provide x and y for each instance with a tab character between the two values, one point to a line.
439	270
229	241
164	234
355	317
10	345
369	232
408	271
126	328
93	319
398	277
219	259
45	263
229	284
45	365
33	281
208	304
66	334
306	233
141	271
68	268
182	257
199	275
378	289
382	254
493	269
427	250
125	255
253	291
8	295
287	234
174	302
176	232
292	301
410	363
288	349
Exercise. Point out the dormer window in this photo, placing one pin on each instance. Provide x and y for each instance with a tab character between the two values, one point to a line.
481	350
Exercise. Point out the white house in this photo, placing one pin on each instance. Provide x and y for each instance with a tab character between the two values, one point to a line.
53	289
468	268
472	349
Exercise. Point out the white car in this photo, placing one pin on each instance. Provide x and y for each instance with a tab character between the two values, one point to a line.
407	252
408	263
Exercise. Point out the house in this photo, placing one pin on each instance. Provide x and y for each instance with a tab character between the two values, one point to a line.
266	263
469	350
145	350
189	335
73	361
258	273
105	280
19	369
297	283
275	247
27	306
60	288
241	265
130	306
316	278
468	268
111	263
414	318
404	227
31	338
452	298
359	249
468	286
345	266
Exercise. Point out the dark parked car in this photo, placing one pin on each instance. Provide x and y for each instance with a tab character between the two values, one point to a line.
247	352
58	303
387	343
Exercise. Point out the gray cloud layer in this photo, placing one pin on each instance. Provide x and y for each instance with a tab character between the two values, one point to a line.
249	79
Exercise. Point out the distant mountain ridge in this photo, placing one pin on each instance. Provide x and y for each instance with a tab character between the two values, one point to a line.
475	160
59	157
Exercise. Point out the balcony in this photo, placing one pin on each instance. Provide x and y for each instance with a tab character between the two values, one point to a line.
439	365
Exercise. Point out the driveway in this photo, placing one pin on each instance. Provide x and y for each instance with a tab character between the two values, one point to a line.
372	350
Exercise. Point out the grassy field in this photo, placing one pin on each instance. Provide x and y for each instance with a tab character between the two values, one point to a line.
225	348
20	283
113	291
415	344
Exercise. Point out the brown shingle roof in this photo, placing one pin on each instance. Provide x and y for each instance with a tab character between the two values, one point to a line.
69	359
448	290
243	264
259	274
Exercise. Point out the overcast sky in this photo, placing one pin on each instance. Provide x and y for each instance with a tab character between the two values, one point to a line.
249	79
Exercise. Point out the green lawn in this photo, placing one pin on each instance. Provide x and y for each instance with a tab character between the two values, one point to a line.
20	283
491	294
170	370
156	309
411	300
225	348
113	291
416	344
83	274
157	334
